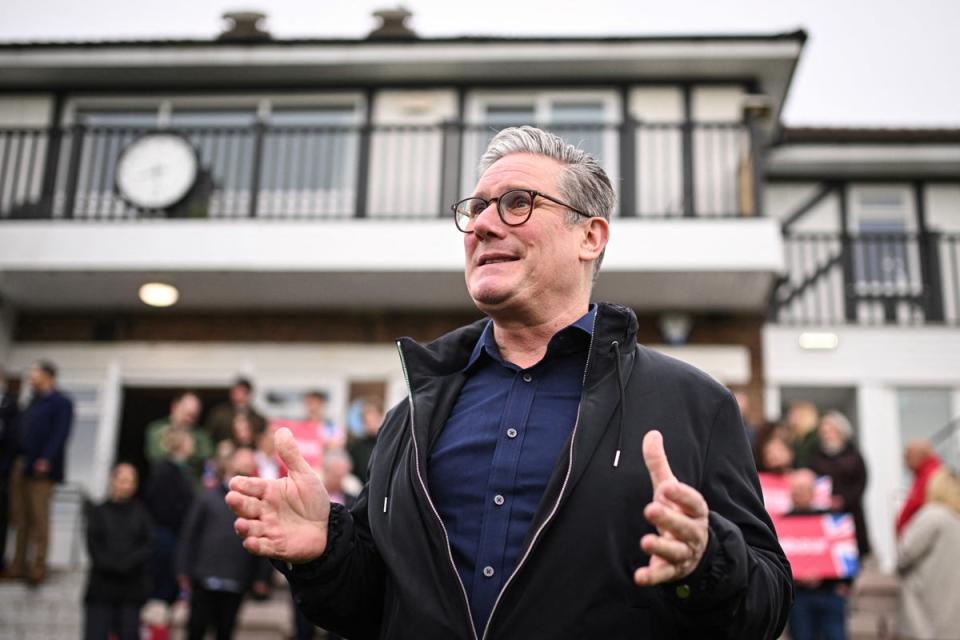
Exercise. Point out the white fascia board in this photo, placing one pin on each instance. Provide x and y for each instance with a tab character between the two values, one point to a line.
692	245
334	55
676	246
812	155
925	356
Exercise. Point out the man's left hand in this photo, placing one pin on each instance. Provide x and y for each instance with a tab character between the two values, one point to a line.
41	467
679	513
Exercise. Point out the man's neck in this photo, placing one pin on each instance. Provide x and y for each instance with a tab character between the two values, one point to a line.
523	341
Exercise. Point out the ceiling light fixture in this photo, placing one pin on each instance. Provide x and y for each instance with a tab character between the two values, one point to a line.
818	340
158	294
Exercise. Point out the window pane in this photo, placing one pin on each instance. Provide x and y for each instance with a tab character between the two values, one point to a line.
213	117
314	116
117	118
509	115
576	113
579	123
922	412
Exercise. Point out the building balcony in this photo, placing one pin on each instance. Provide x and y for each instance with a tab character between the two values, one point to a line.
366	208
869	279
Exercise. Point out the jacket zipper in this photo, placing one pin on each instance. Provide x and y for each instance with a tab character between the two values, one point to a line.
423	485
563	487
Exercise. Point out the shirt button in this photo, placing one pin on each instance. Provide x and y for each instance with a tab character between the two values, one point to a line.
511	433
527	377
498	499
488	571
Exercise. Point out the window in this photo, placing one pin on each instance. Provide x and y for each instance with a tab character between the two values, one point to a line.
885	252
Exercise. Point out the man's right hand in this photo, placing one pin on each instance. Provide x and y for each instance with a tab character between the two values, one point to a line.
286	518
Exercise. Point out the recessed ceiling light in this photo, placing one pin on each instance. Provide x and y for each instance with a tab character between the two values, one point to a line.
818	340
158	294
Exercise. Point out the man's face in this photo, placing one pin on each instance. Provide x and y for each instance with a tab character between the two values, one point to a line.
186	411
531	265
239	395
123	484
39	379
243	463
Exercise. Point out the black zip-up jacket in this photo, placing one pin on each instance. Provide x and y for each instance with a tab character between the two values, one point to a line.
388	571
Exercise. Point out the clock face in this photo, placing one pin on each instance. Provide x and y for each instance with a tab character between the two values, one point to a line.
157	171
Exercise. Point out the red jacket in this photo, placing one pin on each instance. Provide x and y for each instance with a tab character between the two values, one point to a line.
918	492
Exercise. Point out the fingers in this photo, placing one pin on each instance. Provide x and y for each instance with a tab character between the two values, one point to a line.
244	506
656	459
689	500
289	453
654	574
672	521
253	487
673	551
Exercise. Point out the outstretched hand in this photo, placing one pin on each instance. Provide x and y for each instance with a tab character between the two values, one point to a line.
679	513
284	518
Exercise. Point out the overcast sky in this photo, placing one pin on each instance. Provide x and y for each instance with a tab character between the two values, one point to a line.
866	63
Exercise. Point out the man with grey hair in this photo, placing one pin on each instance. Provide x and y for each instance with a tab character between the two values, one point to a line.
523	489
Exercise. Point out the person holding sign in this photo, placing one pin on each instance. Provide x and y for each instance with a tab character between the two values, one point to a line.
546	476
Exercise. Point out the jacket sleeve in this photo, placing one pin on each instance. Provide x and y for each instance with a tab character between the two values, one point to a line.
189	537
917	540
97	545
742	588
62	419
144	547
342	590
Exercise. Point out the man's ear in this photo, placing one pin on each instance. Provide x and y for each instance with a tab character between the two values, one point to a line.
596	233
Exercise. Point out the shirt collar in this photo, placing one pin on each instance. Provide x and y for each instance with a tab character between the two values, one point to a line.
487	344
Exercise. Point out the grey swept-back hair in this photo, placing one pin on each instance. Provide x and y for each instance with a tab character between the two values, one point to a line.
584	184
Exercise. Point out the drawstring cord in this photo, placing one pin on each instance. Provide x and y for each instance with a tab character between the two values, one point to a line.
390	473
616	457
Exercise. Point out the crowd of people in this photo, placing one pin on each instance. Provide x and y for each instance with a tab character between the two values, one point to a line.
164	533
172	537
808	445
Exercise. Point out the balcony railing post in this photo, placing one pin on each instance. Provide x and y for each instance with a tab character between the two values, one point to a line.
50	165
628	167
363	169
450	163
77	136
259	133
930	269
689	191
756	162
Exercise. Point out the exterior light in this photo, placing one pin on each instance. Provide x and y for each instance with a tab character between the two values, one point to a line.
818	341
158	294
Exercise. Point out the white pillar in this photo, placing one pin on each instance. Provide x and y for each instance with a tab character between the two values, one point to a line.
7	320
880	445
771	403
107	431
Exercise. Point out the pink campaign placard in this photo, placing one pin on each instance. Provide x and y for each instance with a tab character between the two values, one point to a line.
310	439
776	493
819	547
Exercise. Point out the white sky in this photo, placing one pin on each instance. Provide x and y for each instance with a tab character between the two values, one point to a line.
866	63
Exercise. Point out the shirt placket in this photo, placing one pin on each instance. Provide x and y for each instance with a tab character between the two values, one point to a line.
501	491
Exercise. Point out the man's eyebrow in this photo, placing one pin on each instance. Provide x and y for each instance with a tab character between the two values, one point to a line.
509	187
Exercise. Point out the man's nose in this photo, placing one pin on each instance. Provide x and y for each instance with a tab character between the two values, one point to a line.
487	221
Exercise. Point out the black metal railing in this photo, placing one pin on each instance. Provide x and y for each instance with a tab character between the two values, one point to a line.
331	172
875	278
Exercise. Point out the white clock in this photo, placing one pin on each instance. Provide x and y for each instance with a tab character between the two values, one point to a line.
157	171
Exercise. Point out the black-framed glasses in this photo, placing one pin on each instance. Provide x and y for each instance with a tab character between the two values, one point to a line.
514	208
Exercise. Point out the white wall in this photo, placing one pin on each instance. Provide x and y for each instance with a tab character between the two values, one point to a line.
943	207
875	361
783	199
717	104
25	110
661	104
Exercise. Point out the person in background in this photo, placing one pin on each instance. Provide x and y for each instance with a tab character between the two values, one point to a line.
928	557
361	447
211	562
802	420
221	420
241	432
9	440
168	496
336	467
772	452
819	606
743	401
266	456
44	429
184	412
119	540
315	405
836	456
923	462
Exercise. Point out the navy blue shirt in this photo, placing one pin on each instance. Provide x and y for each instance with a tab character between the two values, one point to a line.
490	465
